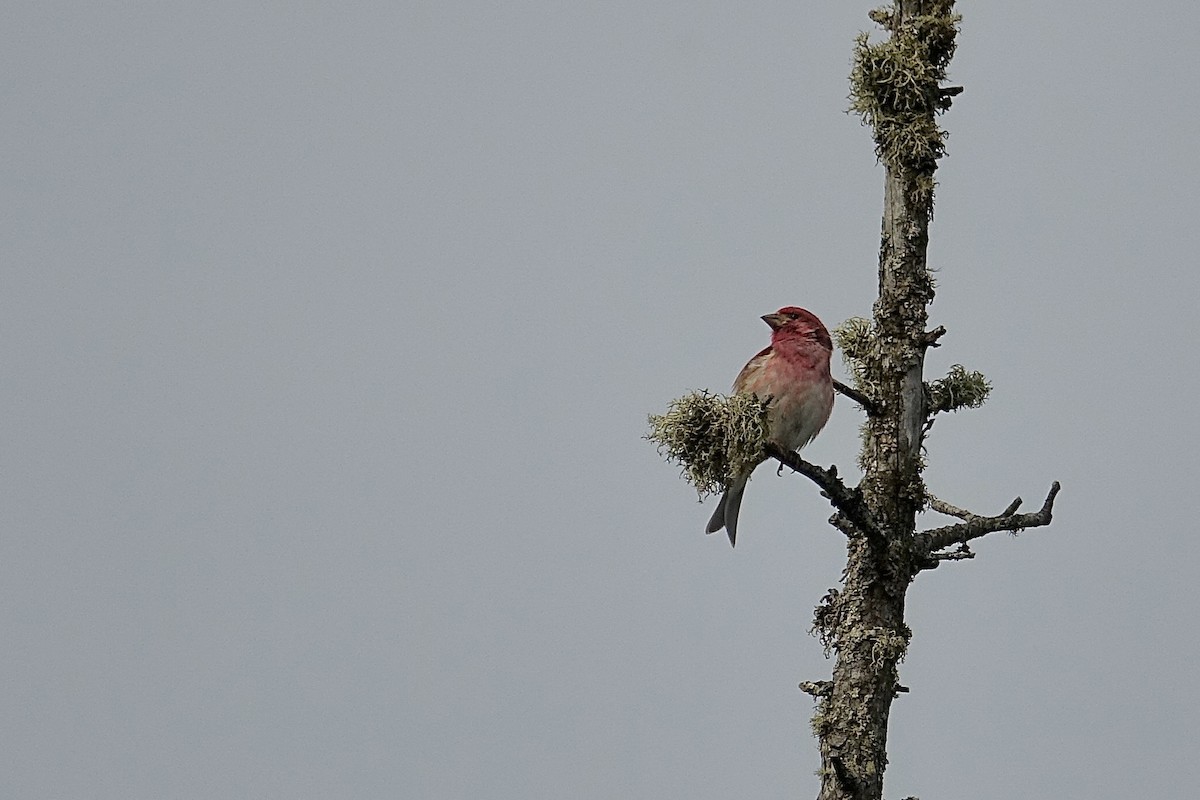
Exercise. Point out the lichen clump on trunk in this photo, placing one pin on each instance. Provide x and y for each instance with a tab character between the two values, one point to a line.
896	85
961	388
857	343
712	437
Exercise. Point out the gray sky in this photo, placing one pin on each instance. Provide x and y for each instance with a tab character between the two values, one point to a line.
330	331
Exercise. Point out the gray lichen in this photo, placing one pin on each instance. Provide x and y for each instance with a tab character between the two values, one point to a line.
895	87
712	437
855	341
961	388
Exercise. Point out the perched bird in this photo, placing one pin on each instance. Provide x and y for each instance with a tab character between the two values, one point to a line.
794	372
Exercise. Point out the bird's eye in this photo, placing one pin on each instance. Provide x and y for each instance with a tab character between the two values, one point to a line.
793	316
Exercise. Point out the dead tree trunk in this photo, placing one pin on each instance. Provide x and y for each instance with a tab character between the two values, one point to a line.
897	90
864	623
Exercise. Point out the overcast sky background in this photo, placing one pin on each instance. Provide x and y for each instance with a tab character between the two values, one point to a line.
329	332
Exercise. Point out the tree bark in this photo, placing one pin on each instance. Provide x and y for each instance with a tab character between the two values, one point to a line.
864	622
896	89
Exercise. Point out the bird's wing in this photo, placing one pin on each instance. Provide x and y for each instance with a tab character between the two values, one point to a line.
751	373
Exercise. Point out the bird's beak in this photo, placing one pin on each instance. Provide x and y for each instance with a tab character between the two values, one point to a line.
774	320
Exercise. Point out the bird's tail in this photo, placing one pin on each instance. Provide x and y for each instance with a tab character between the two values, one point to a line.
726	514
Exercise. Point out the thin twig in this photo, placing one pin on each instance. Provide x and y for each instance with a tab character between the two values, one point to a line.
1012	507
942	507
960	553
854	394
931	542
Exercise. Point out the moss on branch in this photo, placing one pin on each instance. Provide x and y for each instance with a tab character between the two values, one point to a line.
896	88
712	437
961	388
855	341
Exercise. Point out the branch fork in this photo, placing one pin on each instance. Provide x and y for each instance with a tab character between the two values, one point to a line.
930	338
933	544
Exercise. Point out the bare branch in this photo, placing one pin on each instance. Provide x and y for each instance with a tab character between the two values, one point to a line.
849	502
961	388
946	96
931	337
1012	507
960	553
817	688
942	507
858	397
932	541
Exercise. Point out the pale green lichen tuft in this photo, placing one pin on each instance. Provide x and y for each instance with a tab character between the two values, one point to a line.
859	347
961	388
712	437
855	340
895	87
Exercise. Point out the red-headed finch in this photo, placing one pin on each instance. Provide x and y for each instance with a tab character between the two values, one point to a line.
794	372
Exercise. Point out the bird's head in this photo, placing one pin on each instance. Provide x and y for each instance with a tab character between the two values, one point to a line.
791	323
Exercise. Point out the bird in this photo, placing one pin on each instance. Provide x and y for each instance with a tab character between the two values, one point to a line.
793	371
